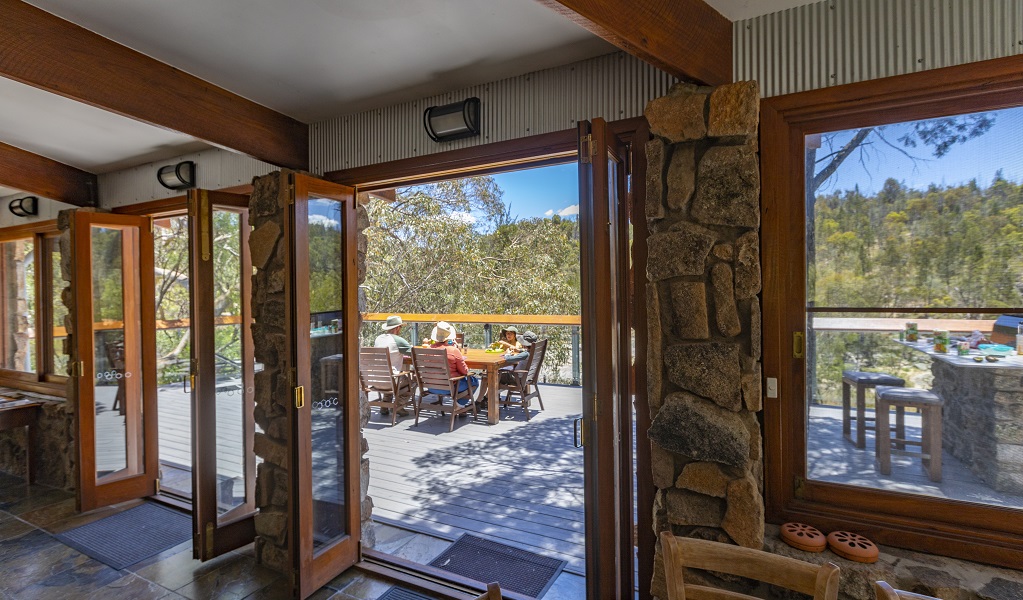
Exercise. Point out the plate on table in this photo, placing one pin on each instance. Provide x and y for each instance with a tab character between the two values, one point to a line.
995	349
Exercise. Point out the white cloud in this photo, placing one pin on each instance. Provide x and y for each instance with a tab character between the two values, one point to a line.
325	221
549	213
569	211
464	217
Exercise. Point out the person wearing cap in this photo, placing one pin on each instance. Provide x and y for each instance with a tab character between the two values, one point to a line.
398	346
509	339
443	336
525	342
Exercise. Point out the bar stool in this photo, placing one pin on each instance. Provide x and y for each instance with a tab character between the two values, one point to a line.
929	406
862	380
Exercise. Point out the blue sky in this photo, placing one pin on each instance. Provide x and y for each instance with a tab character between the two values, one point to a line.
979	158
541	192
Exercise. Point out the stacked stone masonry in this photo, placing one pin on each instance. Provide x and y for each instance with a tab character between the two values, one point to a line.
703	212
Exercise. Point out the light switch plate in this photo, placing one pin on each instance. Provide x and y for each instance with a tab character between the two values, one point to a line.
772	387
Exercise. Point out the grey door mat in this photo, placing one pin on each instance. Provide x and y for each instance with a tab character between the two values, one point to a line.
130	536
515	569
397	593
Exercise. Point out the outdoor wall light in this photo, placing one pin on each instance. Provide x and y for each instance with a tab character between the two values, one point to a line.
453	121
177	177
24	207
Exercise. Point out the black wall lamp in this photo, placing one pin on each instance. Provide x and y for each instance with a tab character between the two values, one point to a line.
24	207
177	177
453	121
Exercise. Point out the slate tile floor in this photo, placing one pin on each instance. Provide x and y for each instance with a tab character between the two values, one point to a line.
35	565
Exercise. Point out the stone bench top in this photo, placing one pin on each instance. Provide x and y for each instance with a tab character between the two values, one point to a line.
871	378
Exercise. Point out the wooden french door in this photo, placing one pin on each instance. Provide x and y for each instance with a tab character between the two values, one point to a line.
606	350
223	461
323	326
114	363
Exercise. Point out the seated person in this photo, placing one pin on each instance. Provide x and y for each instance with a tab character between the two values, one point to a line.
527	340
443	336
399	347
509	340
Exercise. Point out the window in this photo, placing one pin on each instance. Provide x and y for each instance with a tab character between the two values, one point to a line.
31	311
886	204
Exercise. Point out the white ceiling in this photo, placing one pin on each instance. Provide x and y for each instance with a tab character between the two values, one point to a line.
737	10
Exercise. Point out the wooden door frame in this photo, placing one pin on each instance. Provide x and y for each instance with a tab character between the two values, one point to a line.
533	151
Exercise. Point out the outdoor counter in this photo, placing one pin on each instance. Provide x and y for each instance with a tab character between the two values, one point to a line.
982	421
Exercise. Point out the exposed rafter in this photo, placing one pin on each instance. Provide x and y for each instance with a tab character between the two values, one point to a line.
687	38
46	177
47	52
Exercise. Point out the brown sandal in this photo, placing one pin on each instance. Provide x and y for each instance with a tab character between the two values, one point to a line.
803	537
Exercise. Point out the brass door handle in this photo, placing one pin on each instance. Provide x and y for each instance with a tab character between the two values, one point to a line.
299	397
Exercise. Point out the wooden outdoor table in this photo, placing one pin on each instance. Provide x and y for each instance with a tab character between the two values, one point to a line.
491	362
21	413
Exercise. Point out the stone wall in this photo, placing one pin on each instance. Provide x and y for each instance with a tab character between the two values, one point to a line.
704	375
267	205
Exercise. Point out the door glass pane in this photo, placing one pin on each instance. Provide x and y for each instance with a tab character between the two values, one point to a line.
326	269
118	373
17	273
173	351
915	229
58	361
230	392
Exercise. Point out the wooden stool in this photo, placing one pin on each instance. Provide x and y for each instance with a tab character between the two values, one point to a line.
929	406
862	380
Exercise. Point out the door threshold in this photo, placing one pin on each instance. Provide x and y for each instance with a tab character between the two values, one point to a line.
173	501
445	585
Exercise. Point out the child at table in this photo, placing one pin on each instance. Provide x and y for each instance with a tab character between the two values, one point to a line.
509	340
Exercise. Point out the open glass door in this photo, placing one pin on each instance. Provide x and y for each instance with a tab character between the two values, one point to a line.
324	326
115	358
605	391
224	464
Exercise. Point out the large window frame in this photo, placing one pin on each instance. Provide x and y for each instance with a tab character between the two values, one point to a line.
43	379
953	528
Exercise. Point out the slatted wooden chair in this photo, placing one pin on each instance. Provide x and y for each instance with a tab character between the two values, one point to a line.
819	581
377	374
434	377
883	591
526	374
493	593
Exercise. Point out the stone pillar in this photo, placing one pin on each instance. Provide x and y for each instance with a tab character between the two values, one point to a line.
267	205
704	374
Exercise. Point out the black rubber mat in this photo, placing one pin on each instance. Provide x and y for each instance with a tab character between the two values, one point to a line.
516	570
130	536
397	593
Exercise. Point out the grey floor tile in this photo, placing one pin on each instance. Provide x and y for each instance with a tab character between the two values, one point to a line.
131	587
179	569
75	582
233	581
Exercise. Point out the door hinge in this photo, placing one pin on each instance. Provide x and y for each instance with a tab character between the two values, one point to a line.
595	406
204	225
299	397
157	486
798	341
798	486
291	188
152	226
208	540
586	149
78	368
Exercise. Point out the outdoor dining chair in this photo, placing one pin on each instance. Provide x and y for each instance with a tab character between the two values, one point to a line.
434	376
680	553
526	374
376	374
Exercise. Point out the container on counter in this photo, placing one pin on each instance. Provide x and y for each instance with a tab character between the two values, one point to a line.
941	341
912	332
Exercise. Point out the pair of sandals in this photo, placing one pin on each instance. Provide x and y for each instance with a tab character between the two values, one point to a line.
848	545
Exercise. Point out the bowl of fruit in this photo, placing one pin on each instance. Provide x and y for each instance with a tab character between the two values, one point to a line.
495	348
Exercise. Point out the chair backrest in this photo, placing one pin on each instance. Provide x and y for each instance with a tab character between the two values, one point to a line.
819	581
432	369
375	369
493	593
884	591
536	353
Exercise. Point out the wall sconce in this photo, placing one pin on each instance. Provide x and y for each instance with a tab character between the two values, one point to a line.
24	207
177	177
453	121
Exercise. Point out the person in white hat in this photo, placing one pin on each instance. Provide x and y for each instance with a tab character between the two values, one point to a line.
443	336
398	346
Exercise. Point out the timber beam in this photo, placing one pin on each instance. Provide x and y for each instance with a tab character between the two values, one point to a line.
46	177
687	38
49	53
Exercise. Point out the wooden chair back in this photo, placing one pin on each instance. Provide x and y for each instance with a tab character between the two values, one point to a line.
375	370
536	354
884	591
432	369
819	581
493	593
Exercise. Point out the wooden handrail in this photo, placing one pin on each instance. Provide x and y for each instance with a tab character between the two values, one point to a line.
478	318
872	324
59	332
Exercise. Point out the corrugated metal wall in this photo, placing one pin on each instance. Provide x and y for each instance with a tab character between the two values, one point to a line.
215	169
615	86
844	41
48	209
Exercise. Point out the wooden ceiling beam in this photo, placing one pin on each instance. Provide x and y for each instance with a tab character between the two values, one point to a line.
49	53
687	38
41	176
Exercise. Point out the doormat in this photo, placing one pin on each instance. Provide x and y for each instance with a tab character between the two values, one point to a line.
130	536
516	570
397	593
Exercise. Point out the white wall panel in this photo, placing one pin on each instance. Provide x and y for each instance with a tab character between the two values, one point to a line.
48	210
615	86
844	41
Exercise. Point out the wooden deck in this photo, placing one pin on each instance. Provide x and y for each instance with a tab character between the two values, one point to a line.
516	482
